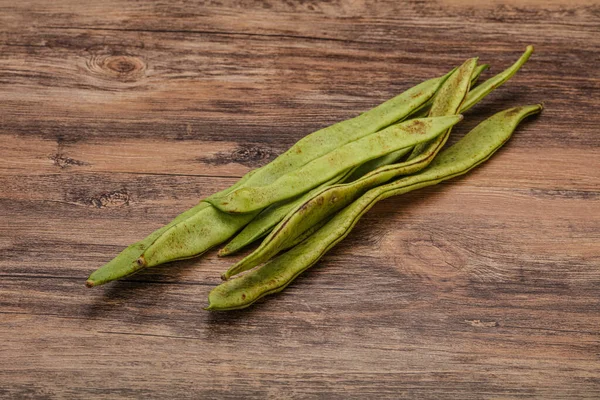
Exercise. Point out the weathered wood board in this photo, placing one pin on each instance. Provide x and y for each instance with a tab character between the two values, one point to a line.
117	115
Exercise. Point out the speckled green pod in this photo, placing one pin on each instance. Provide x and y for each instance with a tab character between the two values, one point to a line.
323	141
476	147
262	224
211	226
126	264
398	136
301	221
272	215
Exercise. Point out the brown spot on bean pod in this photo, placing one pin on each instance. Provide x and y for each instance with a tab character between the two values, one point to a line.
417	127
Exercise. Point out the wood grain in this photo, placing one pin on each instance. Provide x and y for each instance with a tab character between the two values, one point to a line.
117	115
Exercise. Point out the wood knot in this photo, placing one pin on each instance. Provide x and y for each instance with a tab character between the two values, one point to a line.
63	162
481	324
249	156
117	198
121	68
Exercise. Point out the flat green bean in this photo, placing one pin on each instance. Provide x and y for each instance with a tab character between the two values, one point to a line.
317	171
334	198
489	85
474	97
423	111
338	196
484	88
476	147
323	141
445	102
125	263
211	226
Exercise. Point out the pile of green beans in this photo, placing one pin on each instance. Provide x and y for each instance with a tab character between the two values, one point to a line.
310	197
197	230
476	147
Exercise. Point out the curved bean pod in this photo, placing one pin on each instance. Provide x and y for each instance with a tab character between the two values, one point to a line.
423	111
129	261
473	97
211	226
485	88
193	236
475	148
321	142
489	85
330	200
446	102
125	263
133	259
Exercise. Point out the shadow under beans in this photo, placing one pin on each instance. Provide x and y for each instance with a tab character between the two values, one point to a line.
222	320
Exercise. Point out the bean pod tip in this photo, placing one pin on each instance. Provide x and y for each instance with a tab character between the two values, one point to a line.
223	252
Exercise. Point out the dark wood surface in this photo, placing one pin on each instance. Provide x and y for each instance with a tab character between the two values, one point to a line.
117	115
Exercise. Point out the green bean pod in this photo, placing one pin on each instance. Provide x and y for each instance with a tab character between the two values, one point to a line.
330	200
125	263
423	111
494	82
325	140
474	97
475	148
193	236
319	170
211	226
297	221
484	88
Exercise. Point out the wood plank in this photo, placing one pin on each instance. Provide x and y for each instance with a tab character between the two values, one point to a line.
117	115
525	166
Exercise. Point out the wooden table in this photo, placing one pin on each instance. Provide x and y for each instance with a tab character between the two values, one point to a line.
118	115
